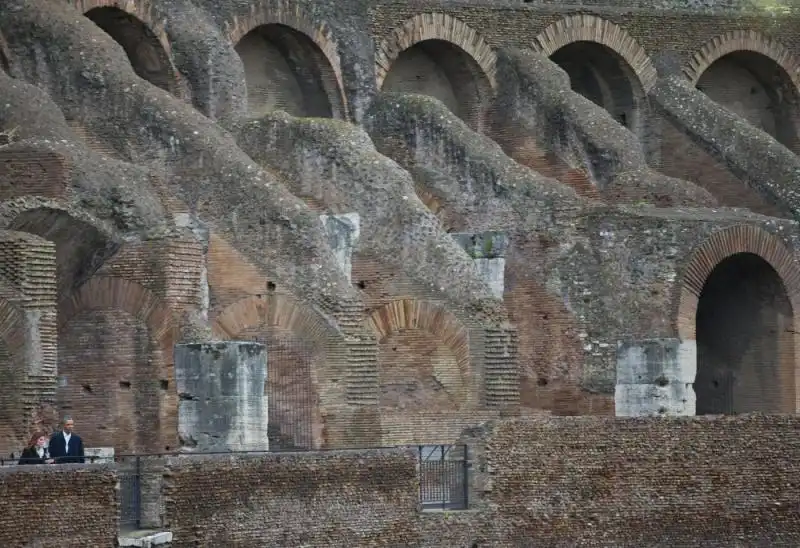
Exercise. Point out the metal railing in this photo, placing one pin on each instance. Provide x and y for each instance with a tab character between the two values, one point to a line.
129	472
443	479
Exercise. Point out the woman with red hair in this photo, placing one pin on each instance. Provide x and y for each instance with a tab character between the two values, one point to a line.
36	452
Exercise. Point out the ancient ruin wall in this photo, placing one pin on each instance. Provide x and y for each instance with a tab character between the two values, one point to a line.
687	482
33	501
364	498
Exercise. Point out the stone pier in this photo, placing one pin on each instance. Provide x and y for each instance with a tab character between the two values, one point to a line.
343	232
488	252
655	377
222	402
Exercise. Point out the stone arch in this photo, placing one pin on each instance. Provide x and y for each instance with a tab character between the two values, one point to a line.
134	26
439	55
82	244
111	320
753	75
741	40
289	29
759	269
299	379
590	28
442	334
108	292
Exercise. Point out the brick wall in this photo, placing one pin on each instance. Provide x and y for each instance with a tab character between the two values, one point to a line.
637	482
67	505
365	498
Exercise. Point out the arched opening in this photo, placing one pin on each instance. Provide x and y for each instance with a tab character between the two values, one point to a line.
146	54
601	75
295	422
419	373
745	348
440	69
109	369
757	89
81	249
286	70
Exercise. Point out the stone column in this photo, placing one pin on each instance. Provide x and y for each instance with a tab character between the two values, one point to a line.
488	252
343	233
222	403
655	377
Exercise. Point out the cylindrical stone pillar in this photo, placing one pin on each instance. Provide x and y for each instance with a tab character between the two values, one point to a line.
222	404
655	377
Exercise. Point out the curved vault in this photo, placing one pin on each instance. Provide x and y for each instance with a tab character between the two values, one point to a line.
604	77
443	70
745	346
286	70
148	57
756	88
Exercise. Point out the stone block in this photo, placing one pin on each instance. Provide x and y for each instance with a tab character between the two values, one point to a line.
655	377
343	233
488	250
223	404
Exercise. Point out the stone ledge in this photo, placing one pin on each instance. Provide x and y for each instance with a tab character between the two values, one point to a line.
145	539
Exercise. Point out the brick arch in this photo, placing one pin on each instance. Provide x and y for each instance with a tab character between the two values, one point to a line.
276	310
112	293
590	28
294	17
425	316
435	26
143	11
742	40
721	245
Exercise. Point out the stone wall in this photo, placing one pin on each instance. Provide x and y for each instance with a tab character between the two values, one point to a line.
71	505
632	482
365	498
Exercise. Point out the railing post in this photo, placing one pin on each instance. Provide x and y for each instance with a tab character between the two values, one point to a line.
138	492
465	468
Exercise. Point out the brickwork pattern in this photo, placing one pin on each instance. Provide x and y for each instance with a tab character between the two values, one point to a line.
365	498
33	501
28	334
609	482
31	172
115	345
141	30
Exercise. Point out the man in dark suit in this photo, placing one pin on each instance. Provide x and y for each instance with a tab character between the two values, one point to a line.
66	447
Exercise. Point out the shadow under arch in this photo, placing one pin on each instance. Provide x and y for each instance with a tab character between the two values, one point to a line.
148	53
605	64
754	76
439	55
82	246
290	64
738	303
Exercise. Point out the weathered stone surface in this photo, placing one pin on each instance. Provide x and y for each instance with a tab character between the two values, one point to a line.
222	406
655	378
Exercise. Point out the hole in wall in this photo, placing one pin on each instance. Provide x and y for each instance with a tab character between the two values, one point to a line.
87	388
125	385
164	384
